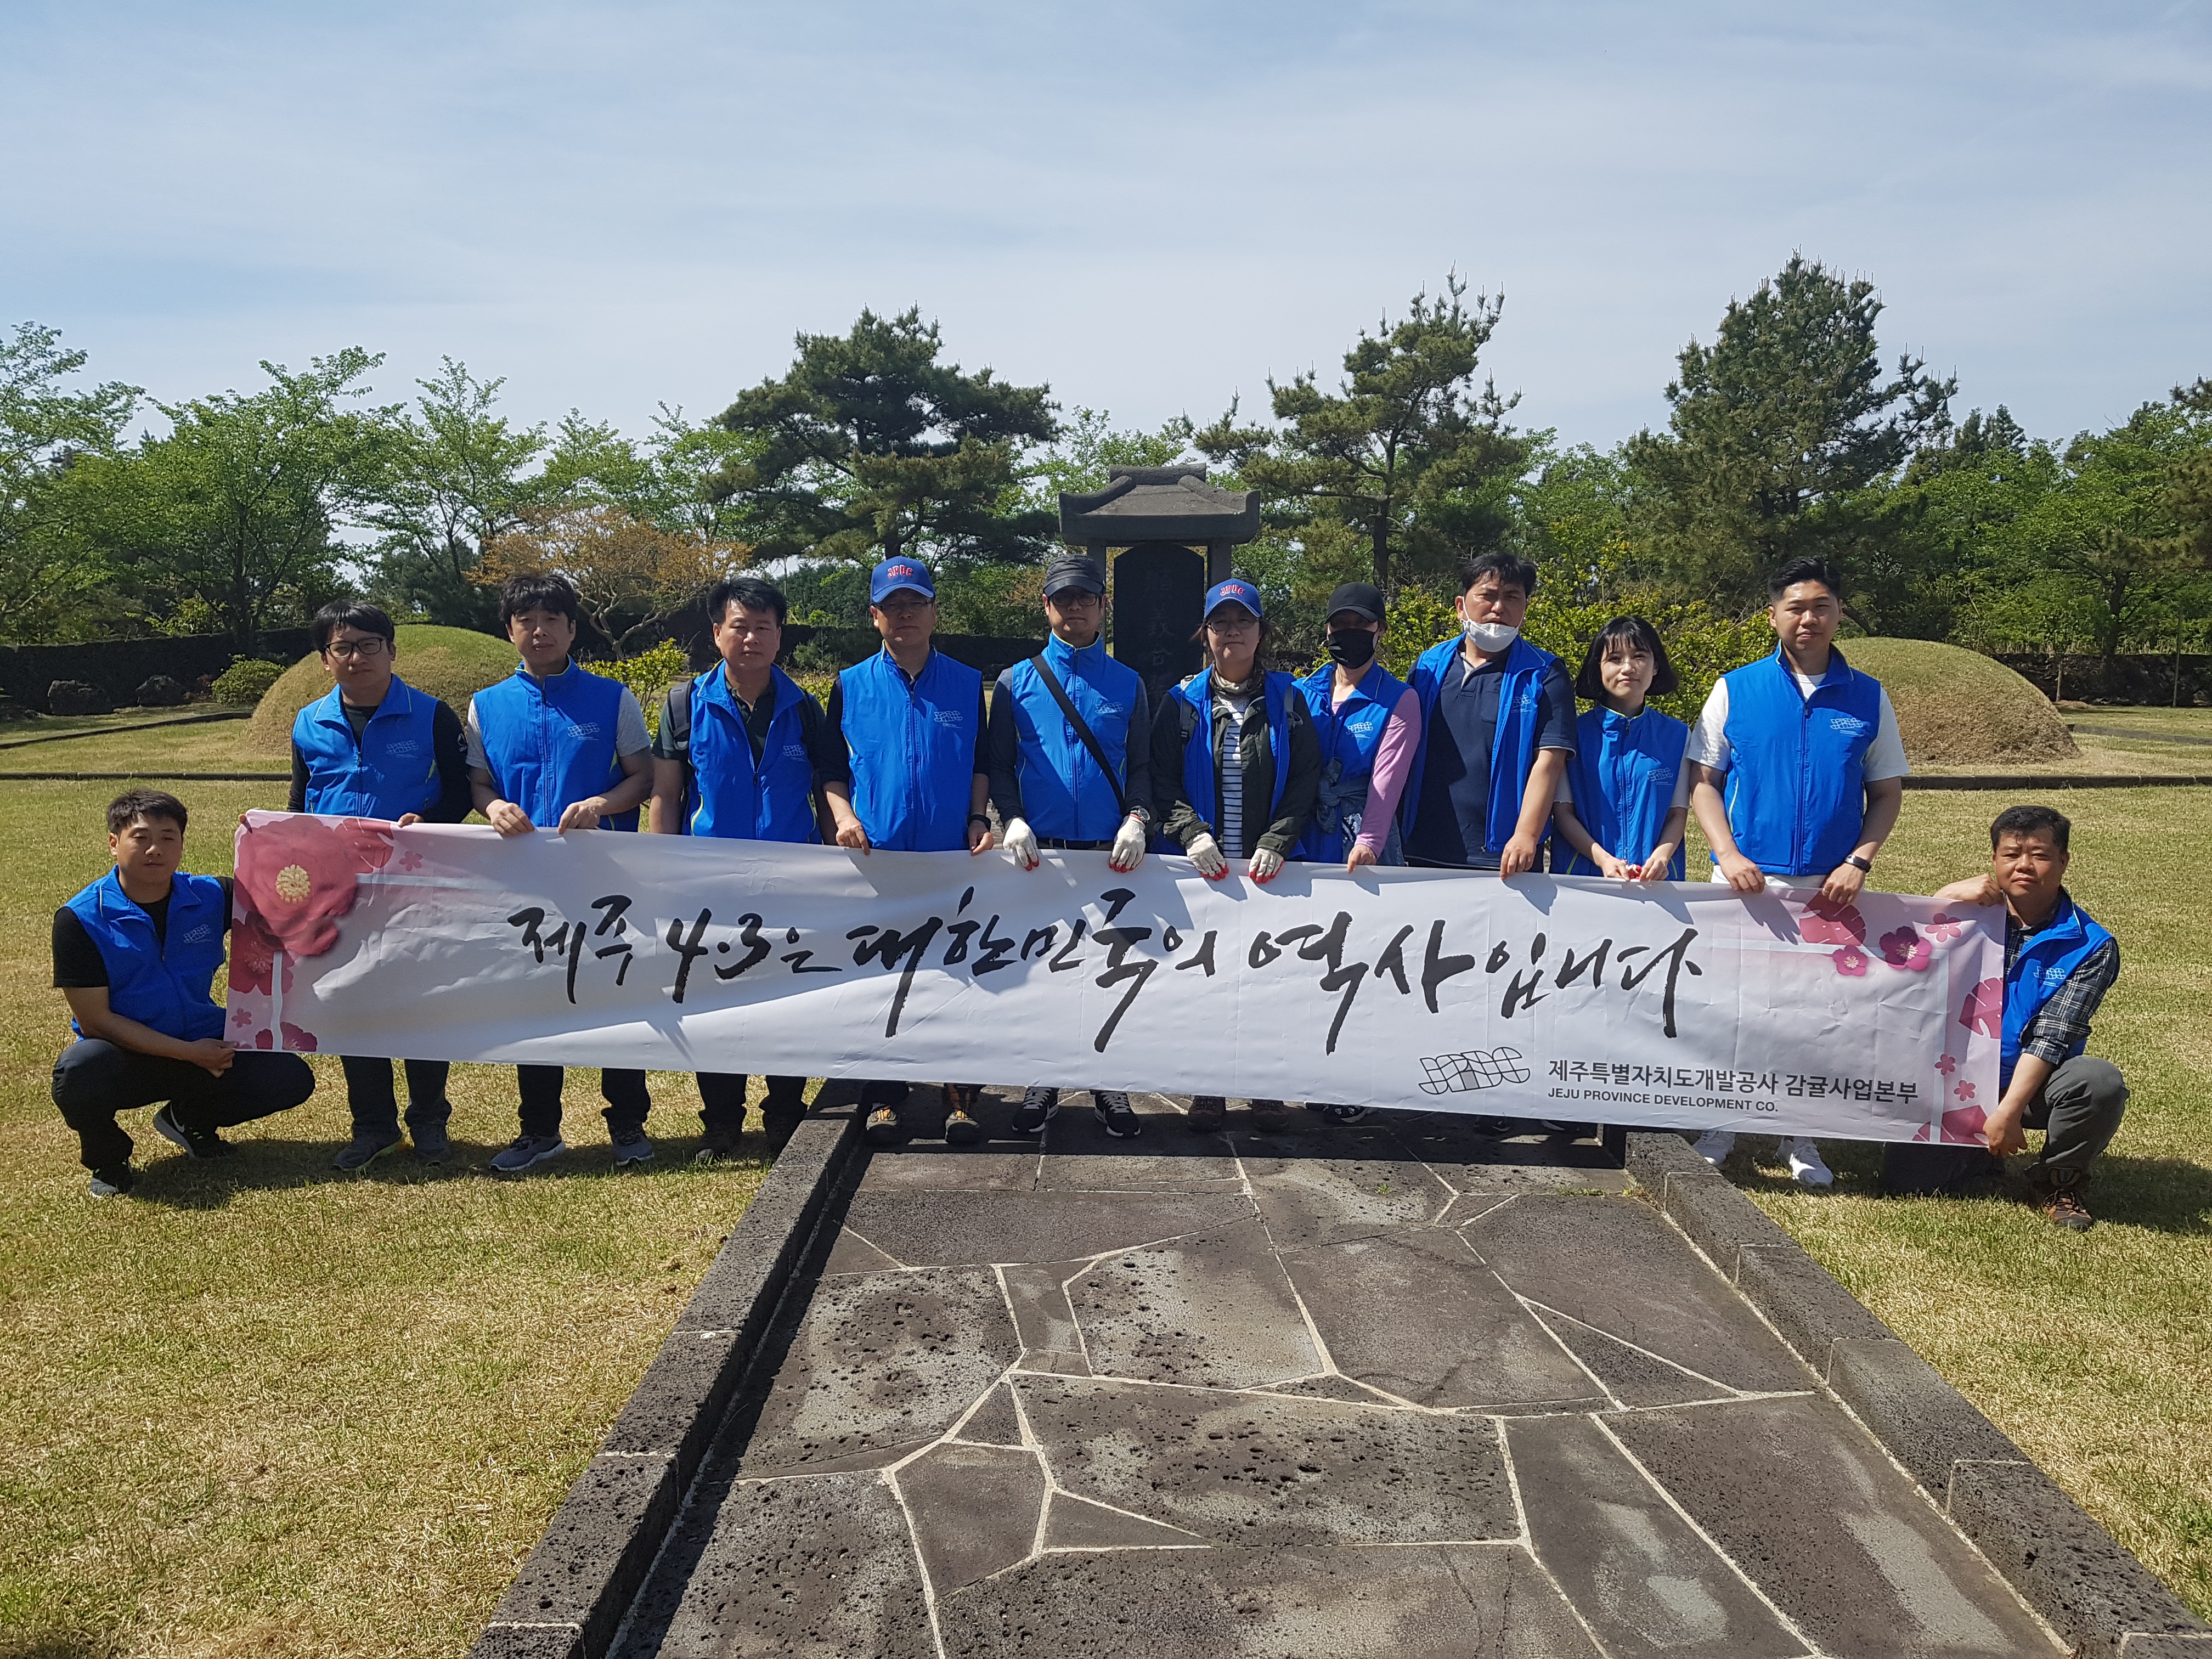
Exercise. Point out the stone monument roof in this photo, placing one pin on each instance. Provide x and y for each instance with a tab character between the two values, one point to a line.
1159	504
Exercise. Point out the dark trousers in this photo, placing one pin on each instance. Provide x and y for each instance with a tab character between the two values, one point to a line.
722	1100
93	1080
2079	1111
376	1108
624	1092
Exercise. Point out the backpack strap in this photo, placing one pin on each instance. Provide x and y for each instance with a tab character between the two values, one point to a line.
679	713
1082	728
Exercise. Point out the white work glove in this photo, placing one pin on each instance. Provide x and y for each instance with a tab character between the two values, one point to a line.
1128	845
1021	840
1266	865
1206	854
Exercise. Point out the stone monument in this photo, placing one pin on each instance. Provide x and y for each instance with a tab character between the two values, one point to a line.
1161	517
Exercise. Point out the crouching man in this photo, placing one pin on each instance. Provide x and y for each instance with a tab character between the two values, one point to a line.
135	955
2058	965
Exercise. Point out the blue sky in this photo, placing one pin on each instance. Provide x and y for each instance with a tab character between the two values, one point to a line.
1151	207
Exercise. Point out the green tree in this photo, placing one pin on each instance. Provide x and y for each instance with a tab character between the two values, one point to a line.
1077	461
1406	454
1783	437
455	475
238	506
870	446
51	574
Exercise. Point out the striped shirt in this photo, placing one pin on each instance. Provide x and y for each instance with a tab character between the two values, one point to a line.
1231	827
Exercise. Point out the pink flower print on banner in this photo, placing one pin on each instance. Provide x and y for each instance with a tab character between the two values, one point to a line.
1906	949
1824	923
411	862
1851	961
254	954
1963	1125
1964	1090
298	1041
1948	1065
299	874
1984	1009
1945	927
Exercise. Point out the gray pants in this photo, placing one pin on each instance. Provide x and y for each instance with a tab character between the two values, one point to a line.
2079	1111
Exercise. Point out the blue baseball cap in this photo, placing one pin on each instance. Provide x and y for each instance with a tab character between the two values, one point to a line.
1235	591
892	574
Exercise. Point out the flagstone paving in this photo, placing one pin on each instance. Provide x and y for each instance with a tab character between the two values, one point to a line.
1393	1390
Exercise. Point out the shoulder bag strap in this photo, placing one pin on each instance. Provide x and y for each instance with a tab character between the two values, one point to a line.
1082	730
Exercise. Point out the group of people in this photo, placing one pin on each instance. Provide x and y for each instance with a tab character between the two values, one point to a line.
1794	770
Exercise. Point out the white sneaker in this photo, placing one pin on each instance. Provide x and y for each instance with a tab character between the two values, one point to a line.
1714	1146
1805	1167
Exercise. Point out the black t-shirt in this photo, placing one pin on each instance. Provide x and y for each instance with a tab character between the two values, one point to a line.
78	965
759	716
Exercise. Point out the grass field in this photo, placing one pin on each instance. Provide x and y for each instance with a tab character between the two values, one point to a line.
260	1409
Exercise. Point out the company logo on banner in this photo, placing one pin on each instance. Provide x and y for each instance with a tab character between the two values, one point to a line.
1680	1004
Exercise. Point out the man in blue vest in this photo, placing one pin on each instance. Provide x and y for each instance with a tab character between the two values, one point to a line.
377	748
1498	728
2058	965
904	770
1796	773
1066	789
735	757
135	956
555	746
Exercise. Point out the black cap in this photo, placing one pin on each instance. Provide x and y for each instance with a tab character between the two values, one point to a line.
1363	599
1073	570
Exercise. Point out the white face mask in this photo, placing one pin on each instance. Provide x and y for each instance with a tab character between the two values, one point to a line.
1491	637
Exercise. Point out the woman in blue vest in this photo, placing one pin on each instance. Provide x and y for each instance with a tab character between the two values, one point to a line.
1367	724
1052	791
903	768
1236	769
1798	773
555	746
1625	802
135	957
735	757
377	748
2058	965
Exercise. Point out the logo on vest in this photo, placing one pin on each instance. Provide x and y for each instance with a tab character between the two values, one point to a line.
949	717
199	935
589	730
406	749
794	751
1850	725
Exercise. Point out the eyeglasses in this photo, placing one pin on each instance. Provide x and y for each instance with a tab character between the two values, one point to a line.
372	647
907	612
1076	598
1242	623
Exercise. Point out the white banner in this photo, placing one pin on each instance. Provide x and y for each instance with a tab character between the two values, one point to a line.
1674	1004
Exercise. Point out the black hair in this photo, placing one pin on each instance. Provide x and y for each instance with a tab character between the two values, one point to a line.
350	613
132	805
1804	570
1511	571
539	590
749	592
1640	635
2030	821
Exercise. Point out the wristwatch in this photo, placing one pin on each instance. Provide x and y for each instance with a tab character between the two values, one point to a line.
1864	866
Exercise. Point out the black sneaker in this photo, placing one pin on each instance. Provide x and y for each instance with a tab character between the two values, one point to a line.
1334	1114
195	1143
112	1183
884	1128
525	1151
364	1149
1111	1107
431	1144
721	1145
630	1145
779	1130
1040	1105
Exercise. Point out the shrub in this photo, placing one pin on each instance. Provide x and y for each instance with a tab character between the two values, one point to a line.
246	682
649	674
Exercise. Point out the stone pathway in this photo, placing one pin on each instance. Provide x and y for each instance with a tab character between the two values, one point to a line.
1391	1390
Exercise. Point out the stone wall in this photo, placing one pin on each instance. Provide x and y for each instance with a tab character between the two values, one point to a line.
119	667
2158	682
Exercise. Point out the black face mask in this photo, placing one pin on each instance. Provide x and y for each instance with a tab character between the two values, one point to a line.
1352	647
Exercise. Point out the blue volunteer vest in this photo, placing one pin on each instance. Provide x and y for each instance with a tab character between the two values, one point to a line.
1064	794
1513	740
2046	959
730	796
1349	734
1796	788
551	742
1197	751
1624	773
391	771
914	748
161	985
